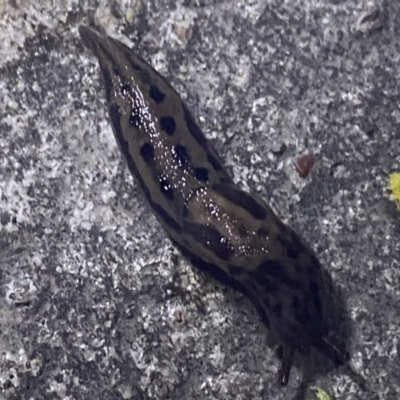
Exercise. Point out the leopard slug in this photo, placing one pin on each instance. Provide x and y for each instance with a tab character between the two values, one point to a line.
232	234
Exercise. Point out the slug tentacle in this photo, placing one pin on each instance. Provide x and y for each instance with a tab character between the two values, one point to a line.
222	229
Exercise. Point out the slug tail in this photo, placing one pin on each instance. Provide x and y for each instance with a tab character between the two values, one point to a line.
287	359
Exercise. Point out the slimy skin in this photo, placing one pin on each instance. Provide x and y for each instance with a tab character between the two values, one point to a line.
232	234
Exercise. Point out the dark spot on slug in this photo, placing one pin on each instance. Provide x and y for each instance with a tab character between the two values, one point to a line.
135	118
293	248
108	84
165	217
168	125
115	118
292	253
180	154
314	289
210	238
193	128
201	174
275	270
241	199
156	94
147	152
293	243
262	279
215	271
214	162
166	188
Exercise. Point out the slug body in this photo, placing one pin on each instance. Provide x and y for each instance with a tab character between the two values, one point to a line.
222	229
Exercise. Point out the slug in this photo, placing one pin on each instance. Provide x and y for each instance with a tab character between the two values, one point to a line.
233	235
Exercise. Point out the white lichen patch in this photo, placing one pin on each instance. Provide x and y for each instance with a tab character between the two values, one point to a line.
177	26
12	366
21	19
20	291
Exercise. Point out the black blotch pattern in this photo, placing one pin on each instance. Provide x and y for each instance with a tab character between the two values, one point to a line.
168	125
293	253
147	152
166	188
210	238
215	271
314	289
108	84
194	129
297	243
225	278
156	94
293	247
135	119
124	146
241	199
264	281
165	217
180	154
201	174
274	269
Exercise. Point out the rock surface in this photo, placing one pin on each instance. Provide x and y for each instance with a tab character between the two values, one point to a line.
95	303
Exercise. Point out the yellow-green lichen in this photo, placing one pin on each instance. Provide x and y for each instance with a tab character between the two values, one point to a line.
321	394
394	187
